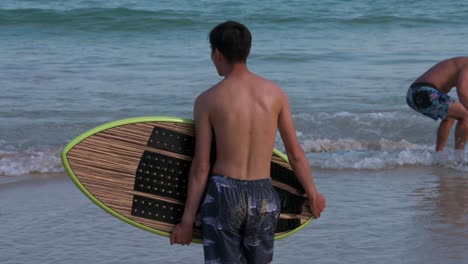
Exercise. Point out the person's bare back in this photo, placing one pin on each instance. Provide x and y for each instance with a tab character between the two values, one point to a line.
445	74
243	110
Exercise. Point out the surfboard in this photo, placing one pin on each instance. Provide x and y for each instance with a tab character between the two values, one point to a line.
137	169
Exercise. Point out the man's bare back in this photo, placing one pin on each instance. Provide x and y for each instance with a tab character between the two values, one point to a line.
243	110
445	74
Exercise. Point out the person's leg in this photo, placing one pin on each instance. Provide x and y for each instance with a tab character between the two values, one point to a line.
223	211
459	112
461	134
264	210
443	133
222	246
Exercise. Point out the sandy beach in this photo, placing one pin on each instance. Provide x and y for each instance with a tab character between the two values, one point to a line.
394	216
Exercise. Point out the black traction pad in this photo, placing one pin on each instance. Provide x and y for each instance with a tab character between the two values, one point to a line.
157	210
165	139
162	175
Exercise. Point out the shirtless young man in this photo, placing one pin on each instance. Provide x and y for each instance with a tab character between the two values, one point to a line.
428	95
243	113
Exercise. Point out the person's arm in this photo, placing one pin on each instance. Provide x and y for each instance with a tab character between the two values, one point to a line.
298	159
182	233
462	87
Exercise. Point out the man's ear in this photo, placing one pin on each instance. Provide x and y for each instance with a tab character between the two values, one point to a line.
218	55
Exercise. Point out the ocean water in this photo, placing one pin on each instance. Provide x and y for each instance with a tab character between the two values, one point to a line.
68	66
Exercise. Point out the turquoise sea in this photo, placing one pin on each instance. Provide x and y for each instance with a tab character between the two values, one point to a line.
68	66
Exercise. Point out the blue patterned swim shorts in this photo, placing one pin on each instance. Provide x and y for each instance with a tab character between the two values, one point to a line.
429	101
238	220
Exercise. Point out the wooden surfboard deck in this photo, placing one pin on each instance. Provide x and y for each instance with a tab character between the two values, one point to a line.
136	169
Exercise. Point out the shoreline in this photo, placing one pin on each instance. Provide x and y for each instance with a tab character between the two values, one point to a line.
18	180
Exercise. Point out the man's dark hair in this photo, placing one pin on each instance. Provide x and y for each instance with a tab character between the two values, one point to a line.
232	39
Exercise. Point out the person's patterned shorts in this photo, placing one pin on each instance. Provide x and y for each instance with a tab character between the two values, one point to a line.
426	99
238	220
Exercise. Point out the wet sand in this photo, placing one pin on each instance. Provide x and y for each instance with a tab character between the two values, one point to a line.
405	215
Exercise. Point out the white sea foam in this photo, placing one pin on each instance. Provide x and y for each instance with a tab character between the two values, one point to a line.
384	159
30	161
339	154
347	144
378	154
380	116
376	160
369	141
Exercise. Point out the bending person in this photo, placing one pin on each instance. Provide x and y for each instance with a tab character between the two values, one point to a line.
428	95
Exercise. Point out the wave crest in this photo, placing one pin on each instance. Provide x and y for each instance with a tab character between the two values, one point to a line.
30	161
329	145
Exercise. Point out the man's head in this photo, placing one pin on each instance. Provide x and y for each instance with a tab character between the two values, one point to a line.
232	40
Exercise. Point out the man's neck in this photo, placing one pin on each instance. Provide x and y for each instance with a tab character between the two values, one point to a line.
236	69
